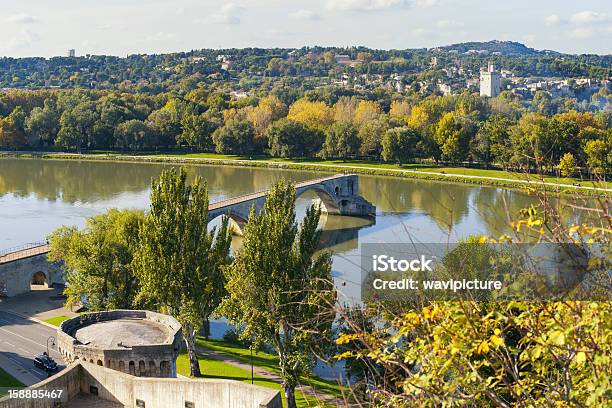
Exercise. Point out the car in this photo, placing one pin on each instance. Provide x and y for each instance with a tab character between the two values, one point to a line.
45	362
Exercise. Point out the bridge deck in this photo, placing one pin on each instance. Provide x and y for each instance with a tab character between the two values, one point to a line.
251	196
24	253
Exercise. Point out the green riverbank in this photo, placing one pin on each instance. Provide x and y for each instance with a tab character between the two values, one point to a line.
496	178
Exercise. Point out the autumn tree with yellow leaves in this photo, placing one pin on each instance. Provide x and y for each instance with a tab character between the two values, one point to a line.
512	353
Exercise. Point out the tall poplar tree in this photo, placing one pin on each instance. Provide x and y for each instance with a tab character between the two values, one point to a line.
179	262
278	286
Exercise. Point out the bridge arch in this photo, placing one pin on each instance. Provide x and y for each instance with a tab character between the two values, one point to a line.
236	222
328	201
39	278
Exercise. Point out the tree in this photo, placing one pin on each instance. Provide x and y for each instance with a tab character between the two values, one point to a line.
314	114
599	156
341	141
77	126
179	261
196	131
532	143
344	109
267	111
492	141
98	259
371	135
133	134
43	124
542	103
287	138
278	285
11	130
399	144
502	354
235	137
400	110
165	125
366	111
567	165
451	138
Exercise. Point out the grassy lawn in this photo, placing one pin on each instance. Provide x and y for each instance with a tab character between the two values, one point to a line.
217	369
268	362
369	167
7	381
57	320
459	171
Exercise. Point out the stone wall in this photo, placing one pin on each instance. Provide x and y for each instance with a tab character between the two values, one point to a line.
16	276
130	391
68	381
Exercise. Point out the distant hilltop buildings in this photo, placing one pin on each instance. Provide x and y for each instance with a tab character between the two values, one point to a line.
71	52
490	81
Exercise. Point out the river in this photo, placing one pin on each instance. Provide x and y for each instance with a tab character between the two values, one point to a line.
38	196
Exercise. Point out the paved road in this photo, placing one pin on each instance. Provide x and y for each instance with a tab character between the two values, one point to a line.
20	341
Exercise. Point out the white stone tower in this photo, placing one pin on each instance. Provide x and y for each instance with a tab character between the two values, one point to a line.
490	81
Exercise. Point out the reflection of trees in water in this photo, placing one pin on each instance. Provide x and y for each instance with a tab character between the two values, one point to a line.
446	204
86	181
73	180
498	207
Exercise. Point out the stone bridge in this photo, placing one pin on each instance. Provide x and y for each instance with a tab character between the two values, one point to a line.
26	266
339	194
20	268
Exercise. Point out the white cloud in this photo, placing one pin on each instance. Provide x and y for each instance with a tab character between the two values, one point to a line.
553	19
372	5
228	14
582	32
22	18
425	3
24	39
450	24
304	15
588	17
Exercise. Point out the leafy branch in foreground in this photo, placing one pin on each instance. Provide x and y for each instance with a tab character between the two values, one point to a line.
504	353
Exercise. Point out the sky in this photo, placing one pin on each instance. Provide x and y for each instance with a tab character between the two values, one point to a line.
122	27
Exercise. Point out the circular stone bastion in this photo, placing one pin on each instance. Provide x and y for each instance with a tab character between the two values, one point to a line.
136	342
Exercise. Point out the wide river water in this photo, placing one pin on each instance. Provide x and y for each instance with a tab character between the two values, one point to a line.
38	196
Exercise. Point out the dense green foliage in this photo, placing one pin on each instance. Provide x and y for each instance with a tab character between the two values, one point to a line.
454	129
98	259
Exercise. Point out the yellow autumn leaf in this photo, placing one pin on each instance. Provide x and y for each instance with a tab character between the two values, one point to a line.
580	358
483	348
496	340
557	337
